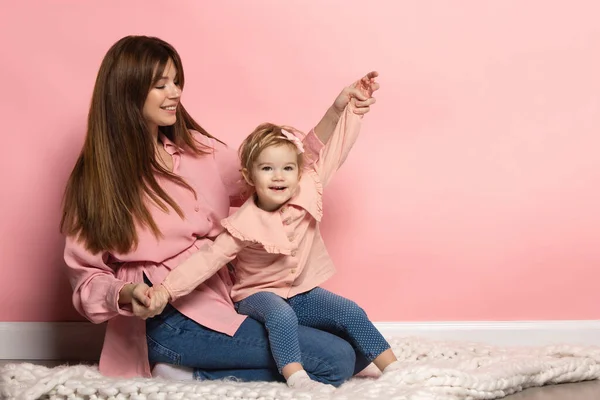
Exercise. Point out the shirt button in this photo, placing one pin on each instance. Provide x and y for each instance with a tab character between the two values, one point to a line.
293	271
291	238
197	208
282	209
287	221
294	253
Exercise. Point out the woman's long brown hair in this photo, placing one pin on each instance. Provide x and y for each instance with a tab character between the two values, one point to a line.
116	171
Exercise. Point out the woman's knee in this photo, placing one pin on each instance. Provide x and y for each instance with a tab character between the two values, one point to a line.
345	355
341	359
327	357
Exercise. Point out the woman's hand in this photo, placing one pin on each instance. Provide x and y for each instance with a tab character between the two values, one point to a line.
142	304
159	298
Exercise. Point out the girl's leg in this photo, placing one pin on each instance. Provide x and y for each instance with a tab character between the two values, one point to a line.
282	325
325	310
175	339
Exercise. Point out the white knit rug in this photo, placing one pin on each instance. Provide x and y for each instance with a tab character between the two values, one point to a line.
431	370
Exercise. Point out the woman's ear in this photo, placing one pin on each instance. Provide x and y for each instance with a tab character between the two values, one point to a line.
246	176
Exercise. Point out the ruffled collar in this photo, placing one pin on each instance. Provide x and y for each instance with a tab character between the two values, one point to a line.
252	224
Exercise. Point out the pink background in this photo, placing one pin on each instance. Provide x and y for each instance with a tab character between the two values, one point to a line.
472	193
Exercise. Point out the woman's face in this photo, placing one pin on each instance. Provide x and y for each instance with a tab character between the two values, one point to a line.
160	108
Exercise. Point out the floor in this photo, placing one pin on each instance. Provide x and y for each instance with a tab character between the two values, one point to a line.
569	391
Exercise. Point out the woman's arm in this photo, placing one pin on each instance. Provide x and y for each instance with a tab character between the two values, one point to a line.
97	294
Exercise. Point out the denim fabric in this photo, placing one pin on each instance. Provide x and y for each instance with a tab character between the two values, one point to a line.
175	339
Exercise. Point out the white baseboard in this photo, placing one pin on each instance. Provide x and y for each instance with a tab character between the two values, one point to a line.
82	341
69	341
501	333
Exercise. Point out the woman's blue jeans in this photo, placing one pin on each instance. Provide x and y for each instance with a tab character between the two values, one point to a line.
175	339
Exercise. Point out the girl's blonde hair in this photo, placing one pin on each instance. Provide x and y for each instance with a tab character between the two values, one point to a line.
264	136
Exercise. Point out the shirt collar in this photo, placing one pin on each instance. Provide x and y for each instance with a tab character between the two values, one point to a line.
310	194
250	223
169	146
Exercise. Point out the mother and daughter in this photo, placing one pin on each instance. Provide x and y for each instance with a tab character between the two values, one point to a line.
186	287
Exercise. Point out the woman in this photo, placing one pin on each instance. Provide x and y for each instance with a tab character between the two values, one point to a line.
148	190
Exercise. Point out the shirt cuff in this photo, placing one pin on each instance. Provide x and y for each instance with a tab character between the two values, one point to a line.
112	298
169	290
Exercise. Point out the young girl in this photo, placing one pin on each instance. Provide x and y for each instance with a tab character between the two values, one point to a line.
281	257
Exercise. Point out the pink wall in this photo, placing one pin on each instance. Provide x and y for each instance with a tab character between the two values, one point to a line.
472	195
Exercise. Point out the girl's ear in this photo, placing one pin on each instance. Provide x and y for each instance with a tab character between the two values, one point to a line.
246	176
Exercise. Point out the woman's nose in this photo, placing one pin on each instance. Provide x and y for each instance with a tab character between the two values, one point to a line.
175	92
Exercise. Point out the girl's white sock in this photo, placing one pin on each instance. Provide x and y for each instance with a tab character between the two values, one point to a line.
298	378
301	380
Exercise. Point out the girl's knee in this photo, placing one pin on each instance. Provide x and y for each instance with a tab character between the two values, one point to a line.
353	311
282	316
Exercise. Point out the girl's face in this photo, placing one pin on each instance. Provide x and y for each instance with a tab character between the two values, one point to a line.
160	107
275	176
